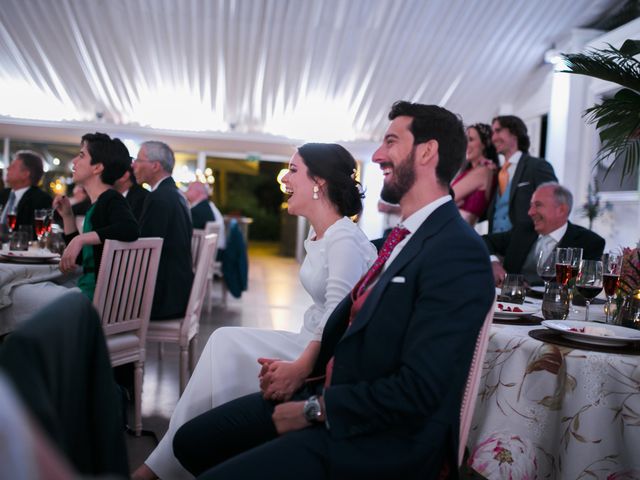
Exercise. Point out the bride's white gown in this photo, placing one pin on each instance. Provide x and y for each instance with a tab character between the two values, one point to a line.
228	366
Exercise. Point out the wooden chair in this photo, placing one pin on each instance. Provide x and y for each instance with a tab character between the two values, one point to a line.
216	270
473	383
123	298
196	241
184	331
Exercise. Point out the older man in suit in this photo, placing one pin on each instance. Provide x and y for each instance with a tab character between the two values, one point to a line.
520	247
24	196
128	187
384	398
166	214
518	177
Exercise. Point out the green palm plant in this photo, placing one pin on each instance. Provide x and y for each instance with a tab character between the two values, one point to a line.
617	119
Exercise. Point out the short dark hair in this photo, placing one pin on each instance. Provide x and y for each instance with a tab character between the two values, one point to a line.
334	164
33	162
110	152
516	126
431	122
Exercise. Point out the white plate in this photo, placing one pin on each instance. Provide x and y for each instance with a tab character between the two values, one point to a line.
611	334
501	314
29	256
537	288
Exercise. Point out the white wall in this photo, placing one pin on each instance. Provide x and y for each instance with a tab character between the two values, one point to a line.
571	143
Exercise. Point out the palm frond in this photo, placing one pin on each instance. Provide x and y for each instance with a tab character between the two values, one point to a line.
609	64
617	119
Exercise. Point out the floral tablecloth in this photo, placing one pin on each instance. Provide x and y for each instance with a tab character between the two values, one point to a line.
547	411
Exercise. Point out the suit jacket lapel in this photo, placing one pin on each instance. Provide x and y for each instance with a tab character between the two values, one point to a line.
415	246
517	175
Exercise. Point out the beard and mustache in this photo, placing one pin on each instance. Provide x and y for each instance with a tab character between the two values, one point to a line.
403	178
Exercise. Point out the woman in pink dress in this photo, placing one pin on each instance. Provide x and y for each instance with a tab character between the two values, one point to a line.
475	184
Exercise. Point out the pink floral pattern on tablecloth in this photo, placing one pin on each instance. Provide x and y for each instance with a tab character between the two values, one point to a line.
504	456
551	412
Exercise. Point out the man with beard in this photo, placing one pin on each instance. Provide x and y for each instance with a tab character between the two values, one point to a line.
383	400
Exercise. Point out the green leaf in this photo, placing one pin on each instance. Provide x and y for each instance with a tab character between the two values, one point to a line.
630	48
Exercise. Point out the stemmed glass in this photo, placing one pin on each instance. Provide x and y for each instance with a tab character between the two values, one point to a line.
546	267
589	282
576	258
611	268
40	216
563	265
12	218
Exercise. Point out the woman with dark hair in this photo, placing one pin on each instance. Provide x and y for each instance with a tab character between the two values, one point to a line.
474	185
322	188
100	162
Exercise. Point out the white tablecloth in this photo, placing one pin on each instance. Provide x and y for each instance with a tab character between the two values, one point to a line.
547	411
15	277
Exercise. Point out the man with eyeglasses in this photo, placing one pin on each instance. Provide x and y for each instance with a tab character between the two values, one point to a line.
165	214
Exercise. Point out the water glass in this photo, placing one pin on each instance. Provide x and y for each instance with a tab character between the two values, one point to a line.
19	240
555	301
513	289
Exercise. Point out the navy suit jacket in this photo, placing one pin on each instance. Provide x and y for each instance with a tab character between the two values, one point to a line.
136	197
33	199
514	245
166	214
530	173
393	405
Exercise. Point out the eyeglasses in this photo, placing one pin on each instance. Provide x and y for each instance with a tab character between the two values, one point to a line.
139	160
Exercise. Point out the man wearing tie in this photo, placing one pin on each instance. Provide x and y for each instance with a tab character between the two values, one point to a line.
520	247
519	176
384	398
24	196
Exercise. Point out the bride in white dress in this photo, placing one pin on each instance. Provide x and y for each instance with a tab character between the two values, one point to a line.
322	189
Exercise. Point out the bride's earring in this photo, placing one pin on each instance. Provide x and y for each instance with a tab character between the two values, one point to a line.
315	192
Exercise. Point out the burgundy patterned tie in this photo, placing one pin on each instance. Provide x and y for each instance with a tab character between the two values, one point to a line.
395	237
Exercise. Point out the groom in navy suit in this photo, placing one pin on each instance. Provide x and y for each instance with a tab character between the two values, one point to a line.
384	398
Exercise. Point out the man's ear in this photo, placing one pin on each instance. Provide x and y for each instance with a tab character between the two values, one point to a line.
427	152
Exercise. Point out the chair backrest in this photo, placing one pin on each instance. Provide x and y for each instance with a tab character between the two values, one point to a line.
473	383
189	326
196	241
126	283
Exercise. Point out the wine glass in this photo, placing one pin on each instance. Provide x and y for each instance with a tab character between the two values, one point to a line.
611	267
546	267
40	216
576	258
12	218
589	282
563	265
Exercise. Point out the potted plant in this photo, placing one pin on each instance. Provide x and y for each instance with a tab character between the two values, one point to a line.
617	119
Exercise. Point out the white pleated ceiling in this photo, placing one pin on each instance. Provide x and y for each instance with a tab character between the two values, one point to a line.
286	67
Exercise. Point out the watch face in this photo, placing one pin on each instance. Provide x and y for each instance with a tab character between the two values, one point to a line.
311	409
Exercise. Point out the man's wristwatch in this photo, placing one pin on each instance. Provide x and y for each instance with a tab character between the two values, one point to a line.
312	410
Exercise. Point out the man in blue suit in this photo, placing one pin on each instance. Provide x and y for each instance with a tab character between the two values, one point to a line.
384	398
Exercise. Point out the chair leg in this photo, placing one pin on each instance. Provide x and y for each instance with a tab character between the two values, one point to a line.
208	292
184	367
223	284
137	397
193	348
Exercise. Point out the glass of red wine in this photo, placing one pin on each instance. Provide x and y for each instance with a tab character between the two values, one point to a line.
40	217
589	282
12	219
611	267
546	267
563	265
